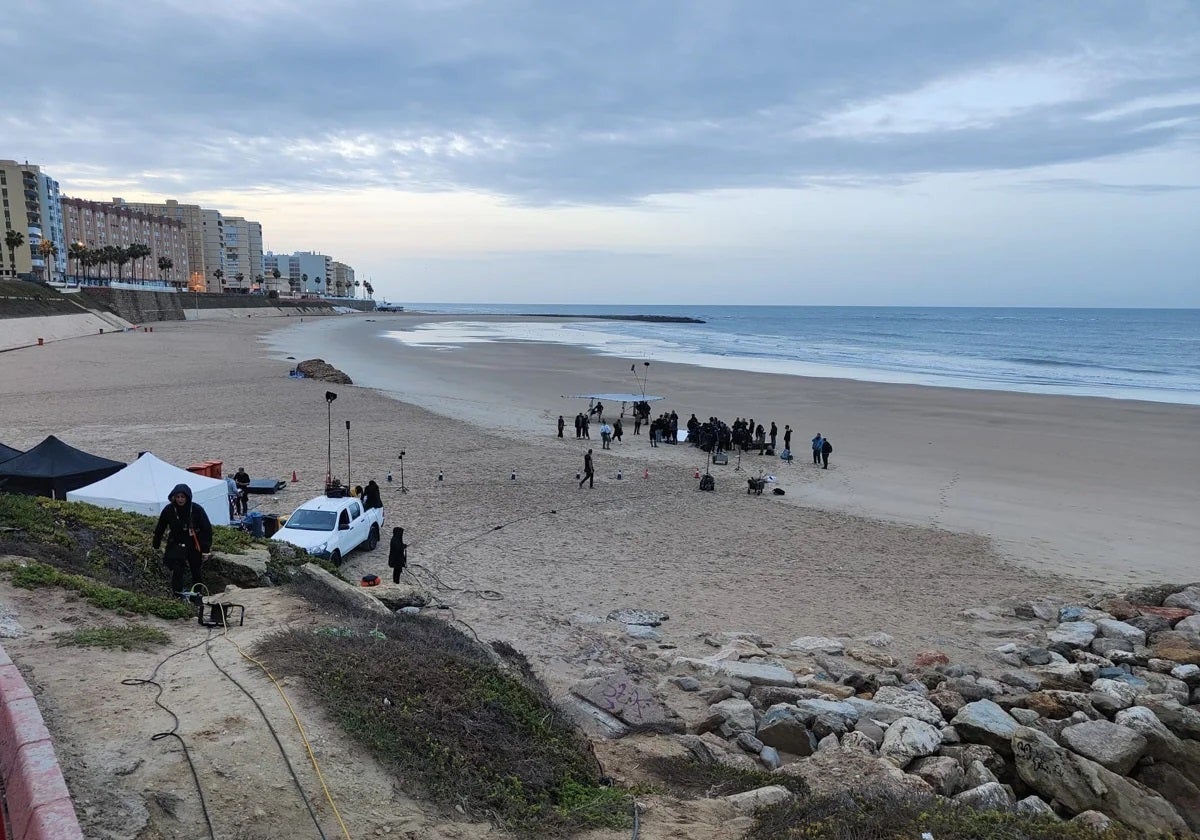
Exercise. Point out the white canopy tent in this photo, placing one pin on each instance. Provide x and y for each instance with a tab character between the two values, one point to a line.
142	487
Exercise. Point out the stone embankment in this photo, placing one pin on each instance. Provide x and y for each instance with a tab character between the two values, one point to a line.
1088	712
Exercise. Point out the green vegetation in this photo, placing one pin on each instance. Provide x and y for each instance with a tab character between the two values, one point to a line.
129	637
685	777
882	817
432	705
39	575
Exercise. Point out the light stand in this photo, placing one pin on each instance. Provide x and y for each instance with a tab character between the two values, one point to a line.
349	483
329	398
738	468
403	489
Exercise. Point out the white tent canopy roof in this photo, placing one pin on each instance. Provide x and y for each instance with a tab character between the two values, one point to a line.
142	487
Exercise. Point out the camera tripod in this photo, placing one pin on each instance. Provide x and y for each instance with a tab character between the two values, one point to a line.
403	489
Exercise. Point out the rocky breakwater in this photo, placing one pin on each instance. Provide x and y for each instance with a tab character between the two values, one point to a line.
322	370
1087	711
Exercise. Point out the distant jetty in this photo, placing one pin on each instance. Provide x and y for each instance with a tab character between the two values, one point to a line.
656	319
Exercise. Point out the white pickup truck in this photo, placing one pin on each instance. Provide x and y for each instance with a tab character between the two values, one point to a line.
331	528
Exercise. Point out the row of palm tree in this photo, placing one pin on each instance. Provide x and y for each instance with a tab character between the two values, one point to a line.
109	255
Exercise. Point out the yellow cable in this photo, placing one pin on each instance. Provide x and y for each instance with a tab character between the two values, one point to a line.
299	726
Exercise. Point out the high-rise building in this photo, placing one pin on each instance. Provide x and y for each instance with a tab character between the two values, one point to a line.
192	216
343	279
317	268
95	224
243	252
32	207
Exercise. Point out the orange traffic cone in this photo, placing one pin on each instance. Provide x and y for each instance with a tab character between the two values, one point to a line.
697	472
295	478
646	474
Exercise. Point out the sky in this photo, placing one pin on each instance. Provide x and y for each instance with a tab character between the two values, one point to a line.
957	153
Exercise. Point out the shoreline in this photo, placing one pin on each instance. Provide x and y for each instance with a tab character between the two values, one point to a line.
1048	478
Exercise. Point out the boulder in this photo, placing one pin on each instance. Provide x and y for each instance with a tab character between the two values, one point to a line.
751	800
874	731
986	723
1115	747
810	710
1174	787
1074	634
1151	623
1166	684
870	710
769	756
749	743
910	704
816	644
1066	677
1118	608
322	370
751	672
943	773
929	658
1024	716
989	797
909	738
947	702
1113	695
1183	648
766	696
1188	599
1110	628
396	596
688	684
1191	624
977	774
1035	806
625	698
829	742
875	658
1190	674
783	728
355	596
1103	647
1035	656
847	770
1093	821
967	754
1184	721
593	722
1083	785
737	714
1169	614
247	570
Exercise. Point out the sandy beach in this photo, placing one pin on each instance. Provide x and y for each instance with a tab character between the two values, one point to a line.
935	500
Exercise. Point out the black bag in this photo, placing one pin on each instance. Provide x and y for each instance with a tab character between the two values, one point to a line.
707	483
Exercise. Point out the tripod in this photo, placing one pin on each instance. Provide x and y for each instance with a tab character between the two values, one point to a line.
403	489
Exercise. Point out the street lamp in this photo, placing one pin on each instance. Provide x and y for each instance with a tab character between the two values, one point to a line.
330	396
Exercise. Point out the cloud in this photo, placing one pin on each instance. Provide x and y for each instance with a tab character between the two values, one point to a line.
549	104
1083	185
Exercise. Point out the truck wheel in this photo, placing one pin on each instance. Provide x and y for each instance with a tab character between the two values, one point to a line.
373	538
336	558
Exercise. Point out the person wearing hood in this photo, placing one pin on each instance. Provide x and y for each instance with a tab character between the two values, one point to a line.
397	554
188	534
371	496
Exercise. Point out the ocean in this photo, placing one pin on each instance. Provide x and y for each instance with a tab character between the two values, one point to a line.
1140	354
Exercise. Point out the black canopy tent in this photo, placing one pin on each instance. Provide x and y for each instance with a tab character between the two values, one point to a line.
7	453
52	468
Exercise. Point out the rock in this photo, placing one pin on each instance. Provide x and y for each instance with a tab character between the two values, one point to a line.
1022	680
687	683
1110	628
947	702
1101	662
1036	656
810	710
1103	647
909	738
978	774
1166	684
1164	745
783	728
1171	615
635	705
1122	694
247	570
1183	648
716	695
861	682
829	742
769	756
1174	787
1115	747
1047	705
1188	599
749	743
910	704
825	725
832	667
873	730
816	644
738	714
970	688
929	658
849	770
1024	717
1035	806
397	596
1082	785
872	657
986	723
860	741
751	800
1071	613
1191	624
766	696
356	596
1150	624
1094	820
641	631
989	797
828	688
878	640
1182	720
1041	610
1118	608
726	637
409	610
1073	634
595	723
322	370
944	774
736	649
647	618
1190	674
752	672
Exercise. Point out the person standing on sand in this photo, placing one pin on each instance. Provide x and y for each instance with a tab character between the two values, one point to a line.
189	537
561	425
578	426
605	435
397	554
587	433
589	472
774	434
242	479
787	436
826	451
816	443
371	496
617	430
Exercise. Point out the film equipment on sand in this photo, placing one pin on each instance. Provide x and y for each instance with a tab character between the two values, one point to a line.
330	396
403	489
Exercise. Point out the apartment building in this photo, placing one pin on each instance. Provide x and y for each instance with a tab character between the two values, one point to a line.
31	206
95	224
317	268
343	279
243	253
191	216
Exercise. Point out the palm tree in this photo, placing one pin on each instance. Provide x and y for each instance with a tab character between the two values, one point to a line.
370	290
275	275
303	282
240	278
76	251
139	251
258	281
220	275
108	256
120	257
318	281
293	283
165	264
49	252
14	239
356	285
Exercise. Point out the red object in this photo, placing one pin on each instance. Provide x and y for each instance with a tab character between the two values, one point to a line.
295	478
41	342
697	475
926	658
1172	614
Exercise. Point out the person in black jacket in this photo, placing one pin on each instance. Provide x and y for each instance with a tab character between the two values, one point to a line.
188	535
397	554
371	497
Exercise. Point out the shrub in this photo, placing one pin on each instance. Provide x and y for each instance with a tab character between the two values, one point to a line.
129	637
38	575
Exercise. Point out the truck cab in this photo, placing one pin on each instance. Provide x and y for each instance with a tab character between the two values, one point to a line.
332	527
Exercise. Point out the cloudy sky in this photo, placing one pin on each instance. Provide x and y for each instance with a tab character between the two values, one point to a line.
963	152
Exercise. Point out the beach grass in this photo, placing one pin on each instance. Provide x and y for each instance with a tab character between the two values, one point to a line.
36	575
128	637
